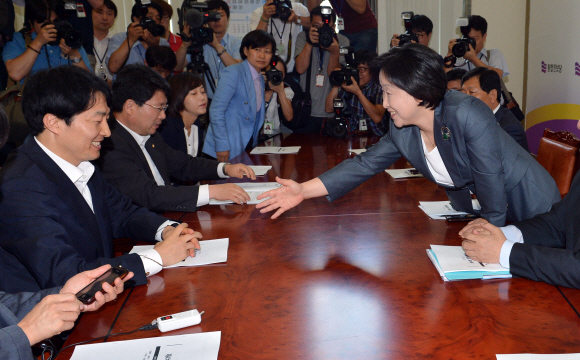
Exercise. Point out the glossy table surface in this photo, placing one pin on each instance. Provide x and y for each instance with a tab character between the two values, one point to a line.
342	280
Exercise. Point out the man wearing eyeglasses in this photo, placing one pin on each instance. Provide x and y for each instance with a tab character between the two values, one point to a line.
422	28
139	164
364	99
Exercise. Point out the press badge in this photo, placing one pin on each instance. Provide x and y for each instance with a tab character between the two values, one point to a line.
81	11
70	5
362	125
281	49
320	80
339	23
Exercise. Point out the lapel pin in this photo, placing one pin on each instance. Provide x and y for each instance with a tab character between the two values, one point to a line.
446	133
153	145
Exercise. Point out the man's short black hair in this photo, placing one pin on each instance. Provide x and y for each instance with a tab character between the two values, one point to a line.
415	69
137	82
64	91
163	56
318	11
488	80
476	23
136	10
257	39
111	6
214	5
422	23
37	11
364	56
455	74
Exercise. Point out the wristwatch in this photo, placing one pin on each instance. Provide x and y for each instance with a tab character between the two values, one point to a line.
299	20
222	52
224	168
75	60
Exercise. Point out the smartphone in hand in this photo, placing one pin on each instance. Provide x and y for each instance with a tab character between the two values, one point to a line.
87	294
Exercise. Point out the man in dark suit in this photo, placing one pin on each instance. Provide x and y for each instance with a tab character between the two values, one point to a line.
58	215
485	85
139	164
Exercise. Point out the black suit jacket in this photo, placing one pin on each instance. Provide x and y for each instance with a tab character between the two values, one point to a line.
48	232
510	124
125	166
172	132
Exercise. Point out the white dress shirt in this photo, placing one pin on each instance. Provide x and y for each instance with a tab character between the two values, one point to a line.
80	176
436	165
192	140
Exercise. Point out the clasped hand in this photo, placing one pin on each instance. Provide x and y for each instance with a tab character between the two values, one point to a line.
482	241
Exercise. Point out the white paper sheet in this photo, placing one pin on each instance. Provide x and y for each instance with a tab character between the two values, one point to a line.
453	259
253	189
402	173
260	170
212	252
275	150
538	356
203	346
357	151
437	209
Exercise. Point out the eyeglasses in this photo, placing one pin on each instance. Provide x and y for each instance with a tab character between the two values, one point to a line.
159	109
362	69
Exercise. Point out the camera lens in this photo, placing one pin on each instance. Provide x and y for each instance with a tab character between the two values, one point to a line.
459	49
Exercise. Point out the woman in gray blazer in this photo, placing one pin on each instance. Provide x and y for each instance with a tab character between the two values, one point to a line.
451	138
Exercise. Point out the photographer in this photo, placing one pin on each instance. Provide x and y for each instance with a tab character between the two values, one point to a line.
161	59
454	79
278	101
129	47
478	57
284	28
222	52
26	55
174	40
103	19
422	27
364	99
321	61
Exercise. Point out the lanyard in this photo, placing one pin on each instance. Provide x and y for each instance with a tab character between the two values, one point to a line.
320	60
289	54
338	9
48	57
283	28
104	54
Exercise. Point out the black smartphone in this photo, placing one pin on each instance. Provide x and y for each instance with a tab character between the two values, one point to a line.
462	217
414	172
87	294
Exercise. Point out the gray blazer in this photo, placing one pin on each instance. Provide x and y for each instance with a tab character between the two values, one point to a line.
479	156
13	341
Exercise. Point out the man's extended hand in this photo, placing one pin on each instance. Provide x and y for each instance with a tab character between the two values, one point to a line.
239	170
109	293
230	192
485	245
283	198
178	243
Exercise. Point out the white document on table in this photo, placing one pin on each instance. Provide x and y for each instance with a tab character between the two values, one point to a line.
436	210
453	259
253	189
202	346
357	151
212	252
275	150
403	173
538	356
260	170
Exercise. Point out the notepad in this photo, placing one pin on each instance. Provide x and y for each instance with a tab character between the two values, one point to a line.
275	150
357	151
260	170
253	190
403	173
437	210
212	252
453	264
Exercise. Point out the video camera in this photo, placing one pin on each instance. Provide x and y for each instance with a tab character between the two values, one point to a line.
337	126
273	75
148	23
409	35
339	77
283	9
462	46
196	15
64	30
326	33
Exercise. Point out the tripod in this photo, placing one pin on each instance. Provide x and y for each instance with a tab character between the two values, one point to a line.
198	65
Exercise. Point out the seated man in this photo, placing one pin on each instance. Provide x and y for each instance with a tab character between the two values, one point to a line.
27	54
479	57
58	215
485	85
454	79
129	47
543	248
139	164
161	59
364	100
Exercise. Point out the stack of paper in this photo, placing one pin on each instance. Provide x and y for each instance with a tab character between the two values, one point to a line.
453	264
357	151
260	170
403	173
275	150
436	210
212	252
253	190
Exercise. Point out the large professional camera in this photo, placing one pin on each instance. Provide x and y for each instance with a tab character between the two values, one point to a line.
326	33
339	77
64	30
409	35
196	15
337	126
146	22
462	46
274	75
283	9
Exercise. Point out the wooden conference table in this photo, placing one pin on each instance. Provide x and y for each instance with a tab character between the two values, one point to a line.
342	280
